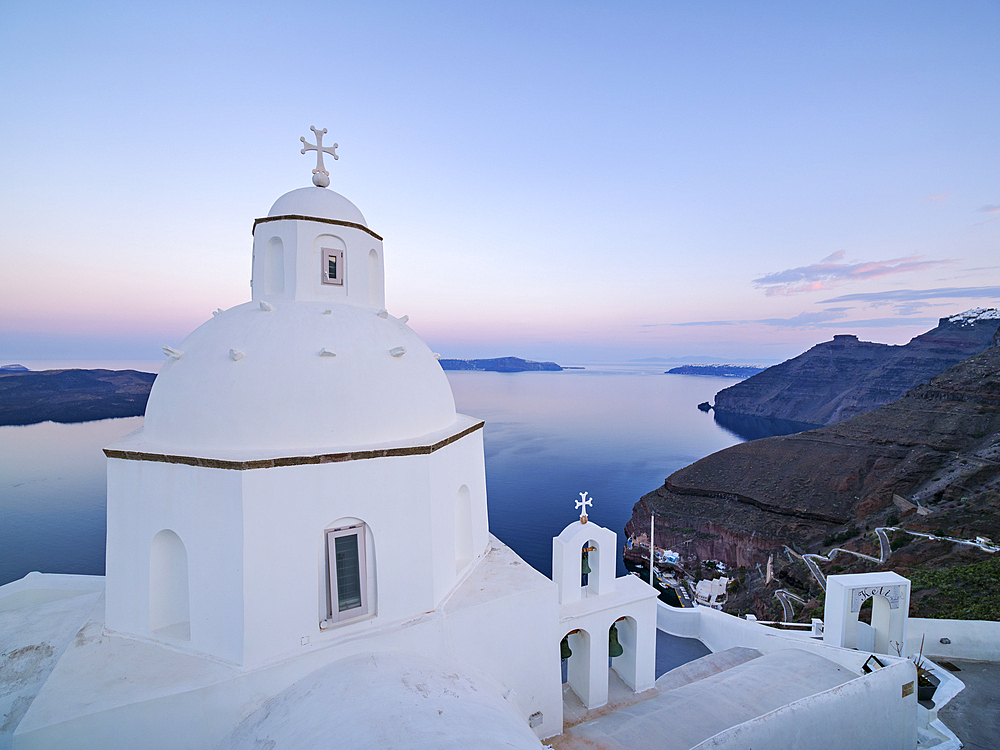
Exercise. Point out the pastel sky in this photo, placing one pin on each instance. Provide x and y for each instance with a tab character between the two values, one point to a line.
575	181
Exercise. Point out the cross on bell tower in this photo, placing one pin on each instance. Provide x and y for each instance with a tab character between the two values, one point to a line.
321	178
582	504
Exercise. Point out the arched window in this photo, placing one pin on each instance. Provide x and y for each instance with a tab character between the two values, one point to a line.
350	585
331	251
169	609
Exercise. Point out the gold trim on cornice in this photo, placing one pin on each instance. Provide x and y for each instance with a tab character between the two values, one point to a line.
269	463
296	217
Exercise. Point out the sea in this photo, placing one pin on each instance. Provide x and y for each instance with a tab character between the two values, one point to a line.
612	431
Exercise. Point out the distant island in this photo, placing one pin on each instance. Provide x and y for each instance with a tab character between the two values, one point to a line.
28	397
720	371
499	364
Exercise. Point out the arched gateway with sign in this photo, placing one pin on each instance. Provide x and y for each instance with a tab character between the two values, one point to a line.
845	595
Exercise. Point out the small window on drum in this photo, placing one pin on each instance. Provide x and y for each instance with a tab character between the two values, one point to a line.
333	266
347	573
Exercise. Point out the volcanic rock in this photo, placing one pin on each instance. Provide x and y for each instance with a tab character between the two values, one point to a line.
938	447
843	378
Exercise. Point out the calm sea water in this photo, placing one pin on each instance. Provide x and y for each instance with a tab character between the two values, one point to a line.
615	432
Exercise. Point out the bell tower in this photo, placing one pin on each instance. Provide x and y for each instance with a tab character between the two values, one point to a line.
601	616
315	245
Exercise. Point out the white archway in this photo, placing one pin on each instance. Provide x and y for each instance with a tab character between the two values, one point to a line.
169	596
845	596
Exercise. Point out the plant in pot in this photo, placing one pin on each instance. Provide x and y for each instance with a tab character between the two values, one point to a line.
927	682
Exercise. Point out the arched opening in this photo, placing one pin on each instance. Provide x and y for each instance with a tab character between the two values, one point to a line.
463	528
865	613
274	266
590	566
627	663
872	632
169	603
375	284
576	669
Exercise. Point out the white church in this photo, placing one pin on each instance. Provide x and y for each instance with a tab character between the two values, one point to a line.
298	556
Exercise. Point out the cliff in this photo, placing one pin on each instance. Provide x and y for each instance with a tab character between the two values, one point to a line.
845	377
937	447
72	395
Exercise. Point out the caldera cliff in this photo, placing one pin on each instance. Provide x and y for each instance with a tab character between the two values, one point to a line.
937	447
845	377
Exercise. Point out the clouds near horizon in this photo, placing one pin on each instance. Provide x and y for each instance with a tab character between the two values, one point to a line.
832	272
816	320
914	295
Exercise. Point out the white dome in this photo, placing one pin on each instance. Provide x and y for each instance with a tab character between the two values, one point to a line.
320	203
284	396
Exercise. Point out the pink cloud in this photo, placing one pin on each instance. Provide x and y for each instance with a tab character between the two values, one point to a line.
830	273
935	198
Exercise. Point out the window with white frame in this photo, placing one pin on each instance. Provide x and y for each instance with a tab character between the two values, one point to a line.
333	266
346	573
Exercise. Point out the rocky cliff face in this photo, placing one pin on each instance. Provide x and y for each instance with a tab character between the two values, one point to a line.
843	378
938	446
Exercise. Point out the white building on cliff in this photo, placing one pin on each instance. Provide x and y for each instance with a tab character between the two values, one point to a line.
299	530
298	556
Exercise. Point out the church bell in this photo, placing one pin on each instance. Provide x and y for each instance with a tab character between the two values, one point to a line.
586	563
614	647
564	650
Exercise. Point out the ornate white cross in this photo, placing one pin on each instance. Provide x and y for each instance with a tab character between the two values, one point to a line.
321	178
582	504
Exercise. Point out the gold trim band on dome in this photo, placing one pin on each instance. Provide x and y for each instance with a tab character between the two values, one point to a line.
270	463
296	217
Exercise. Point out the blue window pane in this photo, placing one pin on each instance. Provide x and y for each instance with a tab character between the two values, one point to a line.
348	572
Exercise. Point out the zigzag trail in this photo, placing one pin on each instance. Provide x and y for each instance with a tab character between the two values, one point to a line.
884	551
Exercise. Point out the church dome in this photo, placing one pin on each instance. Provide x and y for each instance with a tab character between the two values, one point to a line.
300	378
318	203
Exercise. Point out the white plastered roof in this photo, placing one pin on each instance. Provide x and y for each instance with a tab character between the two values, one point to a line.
386	701
321	203
299	377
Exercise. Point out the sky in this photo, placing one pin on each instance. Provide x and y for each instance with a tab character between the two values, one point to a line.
568	181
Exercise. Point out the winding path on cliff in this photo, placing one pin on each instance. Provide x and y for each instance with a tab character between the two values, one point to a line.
884	551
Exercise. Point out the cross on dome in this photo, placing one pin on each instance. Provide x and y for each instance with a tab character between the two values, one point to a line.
582	504
321	178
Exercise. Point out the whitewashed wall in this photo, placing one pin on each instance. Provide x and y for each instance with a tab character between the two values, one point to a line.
970	639
255	544
203	507
868	712
719	631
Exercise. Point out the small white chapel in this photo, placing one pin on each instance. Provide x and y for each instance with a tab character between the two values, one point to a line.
299	557
298	553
